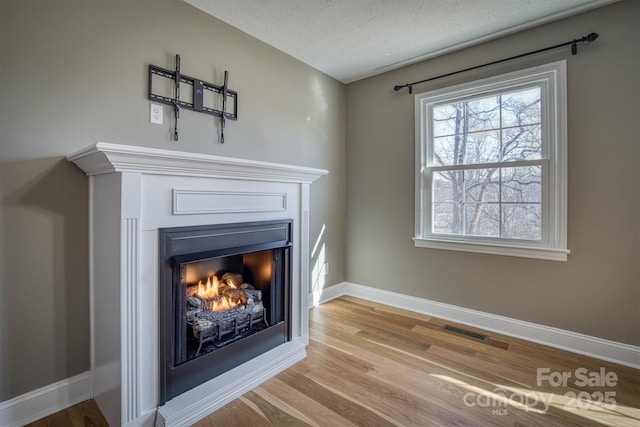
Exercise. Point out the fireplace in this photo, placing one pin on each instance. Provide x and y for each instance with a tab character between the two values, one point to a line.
141	196
225	298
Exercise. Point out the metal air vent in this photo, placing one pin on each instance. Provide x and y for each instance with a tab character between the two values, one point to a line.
465	333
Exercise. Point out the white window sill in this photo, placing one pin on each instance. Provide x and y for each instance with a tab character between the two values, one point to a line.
550	254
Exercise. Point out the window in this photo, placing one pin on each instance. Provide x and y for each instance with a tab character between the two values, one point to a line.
491	162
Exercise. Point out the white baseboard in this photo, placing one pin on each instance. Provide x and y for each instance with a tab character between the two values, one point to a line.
45	401
612	351
321	296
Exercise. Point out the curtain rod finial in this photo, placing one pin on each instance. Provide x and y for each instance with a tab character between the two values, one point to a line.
586	39
408	85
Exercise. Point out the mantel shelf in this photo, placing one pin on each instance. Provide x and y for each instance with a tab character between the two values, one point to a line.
102	158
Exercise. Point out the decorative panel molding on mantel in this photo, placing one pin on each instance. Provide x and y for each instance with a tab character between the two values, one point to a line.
200	201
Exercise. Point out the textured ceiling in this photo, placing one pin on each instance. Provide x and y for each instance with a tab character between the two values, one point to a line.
353	39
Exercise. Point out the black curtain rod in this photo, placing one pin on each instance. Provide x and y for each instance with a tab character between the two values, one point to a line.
574	50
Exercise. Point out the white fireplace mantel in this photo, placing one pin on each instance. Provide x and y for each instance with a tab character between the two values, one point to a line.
102	158
134	191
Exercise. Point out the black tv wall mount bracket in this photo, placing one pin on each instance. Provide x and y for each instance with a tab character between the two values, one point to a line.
197	103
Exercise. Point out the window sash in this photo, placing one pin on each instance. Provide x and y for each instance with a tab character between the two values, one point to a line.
550	79
507	164
428	219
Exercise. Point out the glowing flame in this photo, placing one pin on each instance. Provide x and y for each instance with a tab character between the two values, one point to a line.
217	295
209	290
221	304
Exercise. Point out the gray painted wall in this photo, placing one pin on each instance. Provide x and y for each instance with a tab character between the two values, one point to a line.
74	73
597	292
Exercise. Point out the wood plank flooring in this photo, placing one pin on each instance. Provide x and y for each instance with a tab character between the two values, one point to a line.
84	414
374	365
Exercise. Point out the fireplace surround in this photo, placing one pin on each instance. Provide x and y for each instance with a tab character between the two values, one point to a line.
240	311
136	192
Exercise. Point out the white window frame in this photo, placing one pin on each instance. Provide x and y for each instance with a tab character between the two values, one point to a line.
552	80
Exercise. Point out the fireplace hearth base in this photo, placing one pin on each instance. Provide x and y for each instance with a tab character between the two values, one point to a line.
200	401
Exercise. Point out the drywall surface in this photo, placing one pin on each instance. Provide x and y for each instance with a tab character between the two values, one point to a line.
597	292
74	73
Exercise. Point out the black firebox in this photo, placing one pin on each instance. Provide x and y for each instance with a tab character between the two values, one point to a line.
224	298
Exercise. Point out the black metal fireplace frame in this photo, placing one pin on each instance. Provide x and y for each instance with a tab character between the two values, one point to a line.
184	244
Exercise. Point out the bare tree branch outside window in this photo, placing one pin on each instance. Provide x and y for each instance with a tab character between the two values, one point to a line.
477	190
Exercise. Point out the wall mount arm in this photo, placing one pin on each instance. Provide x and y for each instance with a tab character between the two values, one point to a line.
197	101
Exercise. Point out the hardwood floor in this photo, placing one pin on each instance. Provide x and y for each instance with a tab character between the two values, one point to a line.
374	365
84	414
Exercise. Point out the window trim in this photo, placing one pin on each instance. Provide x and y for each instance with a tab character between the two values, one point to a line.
553	244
